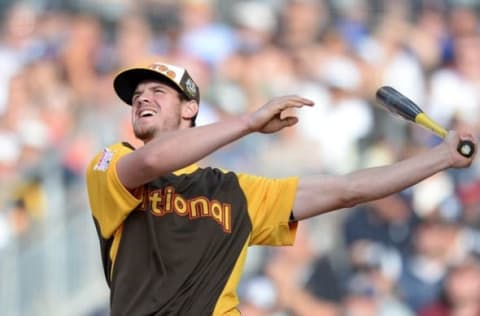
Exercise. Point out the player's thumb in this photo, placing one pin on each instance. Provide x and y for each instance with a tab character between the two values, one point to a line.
289	121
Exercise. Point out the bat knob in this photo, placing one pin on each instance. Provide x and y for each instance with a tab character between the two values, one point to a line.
466	148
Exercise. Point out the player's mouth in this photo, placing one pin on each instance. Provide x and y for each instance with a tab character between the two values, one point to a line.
145	113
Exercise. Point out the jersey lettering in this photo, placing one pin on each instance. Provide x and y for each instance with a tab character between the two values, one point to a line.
166	201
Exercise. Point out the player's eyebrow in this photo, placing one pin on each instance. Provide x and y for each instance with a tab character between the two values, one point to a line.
155	85
136	93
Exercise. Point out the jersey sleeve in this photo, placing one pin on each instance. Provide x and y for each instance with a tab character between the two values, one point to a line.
270	203
110	201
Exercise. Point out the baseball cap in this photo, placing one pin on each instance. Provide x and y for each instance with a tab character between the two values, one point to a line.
126	81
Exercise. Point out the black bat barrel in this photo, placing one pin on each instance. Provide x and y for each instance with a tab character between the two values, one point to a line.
397	103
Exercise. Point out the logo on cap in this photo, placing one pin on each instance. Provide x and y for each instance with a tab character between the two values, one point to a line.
191	88
164	69
179	76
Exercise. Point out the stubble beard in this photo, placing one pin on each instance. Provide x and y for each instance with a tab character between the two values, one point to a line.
144	134
147	133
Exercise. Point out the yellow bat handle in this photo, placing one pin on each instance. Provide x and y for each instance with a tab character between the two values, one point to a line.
427	122
466	148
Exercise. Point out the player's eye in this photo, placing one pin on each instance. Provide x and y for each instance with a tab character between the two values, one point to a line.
135	97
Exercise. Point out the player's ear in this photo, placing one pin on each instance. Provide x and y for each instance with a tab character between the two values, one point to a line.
189	109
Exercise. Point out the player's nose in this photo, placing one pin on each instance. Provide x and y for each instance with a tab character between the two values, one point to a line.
143	99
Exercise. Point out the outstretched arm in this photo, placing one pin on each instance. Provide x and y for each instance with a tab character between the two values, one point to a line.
176	149
321	194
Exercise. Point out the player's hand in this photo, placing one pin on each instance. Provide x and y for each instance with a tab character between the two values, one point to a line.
269	118
452	140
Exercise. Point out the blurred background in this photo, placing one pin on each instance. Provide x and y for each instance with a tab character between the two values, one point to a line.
413	253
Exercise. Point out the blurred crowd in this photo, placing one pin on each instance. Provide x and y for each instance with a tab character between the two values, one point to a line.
413	253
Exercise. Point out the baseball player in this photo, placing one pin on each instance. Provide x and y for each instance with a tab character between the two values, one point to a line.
174	235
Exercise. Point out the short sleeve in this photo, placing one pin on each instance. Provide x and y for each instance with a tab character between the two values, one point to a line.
270	203
109	200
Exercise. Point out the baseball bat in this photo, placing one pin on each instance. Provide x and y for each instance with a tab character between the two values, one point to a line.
399	104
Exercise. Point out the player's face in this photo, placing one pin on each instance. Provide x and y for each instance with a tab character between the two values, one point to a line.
156	107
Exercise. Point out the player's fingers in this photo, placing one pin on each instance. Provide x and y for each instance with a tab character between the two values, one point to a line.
456	136
293	101
300	101
463	143
269	114
467	136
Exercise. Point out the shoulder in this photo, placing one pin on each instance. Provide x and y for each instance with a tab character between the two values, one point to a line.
104	157
120	147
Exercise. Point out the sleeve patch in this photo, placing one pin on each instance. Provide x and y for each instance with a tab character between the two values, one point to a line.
104	160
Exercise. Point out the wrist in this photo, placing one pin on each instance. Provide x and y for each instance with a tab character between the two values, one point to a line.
444	152
247	126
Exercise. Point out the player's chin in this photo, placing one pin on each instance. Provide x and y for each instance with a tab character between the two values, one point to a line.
143	133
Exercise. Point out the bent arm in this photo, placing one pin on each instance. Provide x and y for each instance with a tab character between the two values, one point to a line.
177	149
321	194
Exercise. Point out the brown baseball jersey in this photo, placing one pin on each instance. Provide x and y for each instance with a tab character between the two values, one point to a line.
177	245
